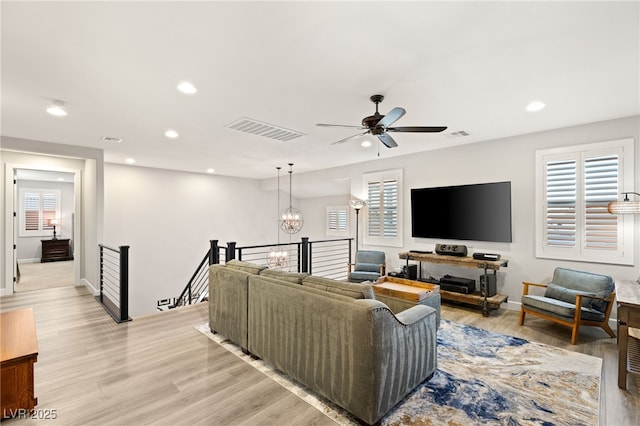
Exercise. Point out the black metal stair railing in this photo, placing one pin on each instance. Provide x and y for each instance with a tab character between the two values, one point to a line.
324	258
114	282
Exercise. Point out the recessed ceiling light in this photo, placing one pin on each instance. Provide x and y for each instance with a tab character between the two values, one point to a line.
210	170
366	144
187	88
57	109
535	106
130	160
171	134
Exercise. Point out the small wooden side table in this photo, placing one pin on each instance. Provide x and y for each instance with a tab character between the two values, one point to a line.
628	297
18	353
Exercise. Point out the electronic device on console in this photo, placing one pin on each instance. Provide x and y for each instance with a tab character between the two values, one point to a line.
451	249
488	285
486	256
457	284
409	272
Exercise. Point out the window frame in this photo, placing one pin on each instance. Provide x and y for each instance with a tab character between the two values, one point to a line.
43	230
380	239
337	210
624	253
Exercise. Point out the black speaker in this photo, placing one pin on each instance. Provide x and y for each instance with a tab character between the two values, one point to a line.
410	271
488	285
451	249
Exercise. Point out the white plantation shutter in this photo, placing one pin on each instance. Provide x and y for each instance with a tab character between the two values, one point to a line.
374	224
49	209
338	220
390	208
601	187
383	208
37	206
578	183
561	204
31	211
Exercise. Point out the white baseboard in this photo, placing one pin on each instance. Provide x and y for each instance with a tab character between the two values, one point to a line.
93	290
34	260
6	292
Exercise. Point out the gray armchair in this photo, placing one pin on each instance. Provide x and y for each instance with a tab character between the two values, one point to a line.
572	298
369	266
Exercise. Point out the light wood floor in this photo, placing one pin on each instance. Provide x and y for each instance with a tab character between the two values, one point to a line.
159	370
40	276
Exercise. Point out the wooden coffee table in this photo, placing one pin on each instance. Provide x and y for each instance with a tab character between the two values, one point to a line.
403	288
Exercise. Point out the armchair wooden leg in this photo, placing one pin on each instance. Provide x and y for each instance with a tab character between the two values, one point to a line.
608	329
574	333
522	314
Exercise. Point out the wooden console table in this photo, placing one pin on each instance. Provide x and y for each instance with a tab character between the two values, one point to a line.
628	297
18	353
487	303
56	250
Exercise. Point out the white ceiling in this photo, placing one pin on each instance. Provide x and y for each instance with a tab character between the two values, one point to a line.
471	66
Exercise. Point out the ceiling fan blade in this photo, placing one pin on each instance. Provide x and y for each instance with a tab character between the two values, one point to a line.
391	117
420	129
339	125
387	140
349	138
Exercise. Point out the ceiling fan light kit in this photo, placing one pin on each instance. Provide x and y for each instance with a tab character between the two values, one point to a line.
378	125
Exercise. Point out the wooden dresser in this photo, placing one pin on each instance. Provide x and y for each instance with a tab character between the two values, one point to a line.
55	250
18	353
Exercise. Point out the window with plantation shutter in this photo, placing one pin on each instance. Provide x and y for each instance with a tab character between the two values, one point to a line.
337	220
37	207
383	225
574	185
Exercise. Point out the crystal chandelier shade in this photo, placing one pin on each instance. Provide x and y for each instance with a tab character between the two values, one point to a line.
291	219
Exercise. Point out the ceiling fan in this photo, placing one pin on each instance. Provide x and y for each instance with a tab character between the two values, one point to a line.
378	125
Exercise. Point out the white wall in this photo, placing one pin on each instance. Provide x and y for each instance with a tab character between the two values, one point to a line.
167	218
509	159
30	248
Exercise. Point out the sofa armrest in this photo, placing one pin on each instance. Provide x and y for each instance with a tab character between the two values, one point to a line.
414	314
526	284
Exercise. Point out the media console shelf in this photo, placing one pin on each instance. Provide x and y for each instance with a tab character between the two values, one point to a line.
487	303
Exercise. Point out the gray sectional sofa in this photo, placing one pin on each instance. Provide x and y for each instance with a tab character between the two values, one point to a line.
331	336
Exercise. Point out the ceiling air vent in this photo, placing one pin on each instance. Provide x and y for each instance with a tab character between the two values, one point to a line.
255	127
458	134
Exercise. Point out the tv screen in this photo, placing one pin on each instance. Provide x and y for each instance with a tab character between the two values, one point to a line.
479	212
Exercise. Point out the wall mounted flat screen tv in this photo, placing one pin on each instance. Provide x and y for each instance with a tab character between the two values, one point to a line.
478	212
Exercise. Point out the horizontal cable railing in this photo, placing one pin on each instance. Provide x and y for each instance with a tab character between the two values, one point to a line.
330	258
114	282
325	258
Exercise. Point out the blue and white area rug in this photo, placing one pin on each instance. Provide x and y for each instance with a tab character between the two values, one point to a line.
483	378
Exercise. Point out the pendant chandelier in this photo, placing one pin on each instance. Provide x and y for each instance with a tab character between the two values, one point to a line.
291	219
277	258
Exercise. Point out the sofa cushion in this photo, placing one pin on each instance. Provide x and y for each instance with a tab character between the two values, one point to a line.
367	267
292	277
560	309
353	290
252	268
586	282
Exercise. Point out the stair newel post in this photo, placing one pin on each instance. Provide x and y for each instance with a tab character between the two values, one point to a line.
230	253
101	273
350	250
214	252
303	263
124	283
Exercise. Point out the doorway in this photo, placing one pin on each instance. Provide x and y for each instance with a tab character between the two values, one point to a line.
45	228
